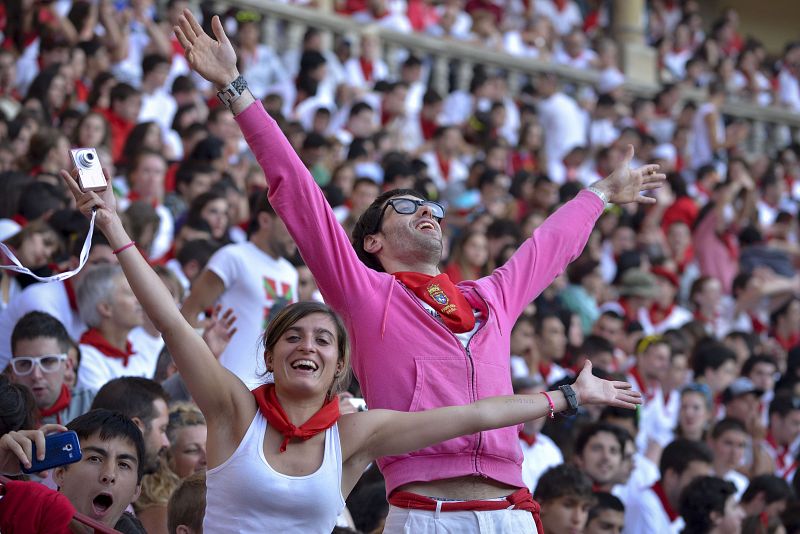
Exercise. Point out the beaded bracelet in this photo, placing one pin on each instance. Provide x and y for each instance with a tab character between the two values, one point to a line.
550	402
123	247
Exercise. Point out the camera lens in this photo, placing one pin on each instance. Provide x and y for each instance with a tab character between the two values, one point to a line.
89	157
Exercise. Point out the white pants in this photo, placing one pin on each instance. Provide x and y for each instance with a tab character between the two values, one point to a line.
405	521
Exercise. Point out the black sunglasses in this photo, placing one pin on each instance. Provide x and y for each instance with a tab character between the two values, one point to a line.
407	206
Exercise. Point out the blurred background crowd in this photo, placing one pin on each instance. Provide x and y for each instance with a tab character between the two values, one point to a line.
695	300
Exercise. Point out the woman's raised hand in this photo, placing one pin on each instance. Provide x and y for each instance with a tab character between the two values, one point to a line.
213	60
104	203
594	390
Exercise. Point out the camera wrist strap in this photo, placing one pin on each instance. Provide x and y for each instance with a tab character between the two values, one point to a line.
19	268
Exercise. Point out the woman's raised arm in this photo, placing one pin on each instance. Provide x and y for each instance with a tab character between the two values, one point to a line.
217	392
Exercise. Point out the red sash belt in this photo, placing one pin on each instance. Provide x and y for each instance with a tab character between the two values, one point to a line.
519	500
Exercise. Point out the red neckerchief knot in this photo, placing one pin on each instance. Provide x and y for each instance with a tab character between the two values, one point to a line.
270	408
62	402
441	294
96	339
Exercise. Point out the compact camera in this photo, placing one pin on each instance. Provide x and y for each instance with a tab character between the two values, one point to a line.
90	173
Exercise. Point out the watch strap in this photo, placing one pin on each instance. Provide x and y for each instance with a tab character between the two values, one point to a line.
572	399
230	93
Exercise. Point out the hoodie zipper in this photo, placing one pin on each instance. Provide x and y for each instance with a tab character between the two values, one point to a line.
467	352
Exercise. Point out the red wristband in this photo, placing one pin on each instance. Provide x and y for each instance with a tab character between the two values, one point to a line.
129	245
550	402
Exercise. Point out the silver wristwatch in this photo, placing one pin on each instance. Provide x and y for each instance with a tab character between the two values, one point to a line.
600	194
232	91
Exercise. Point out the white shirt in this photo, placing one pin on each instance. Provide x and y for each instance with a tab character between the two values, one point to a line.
236	500
96	368
538	458
147	346
739	480
355	75
253	281
644	514
263	70
563	21
788	90
564	123
457	171
702	151
159	107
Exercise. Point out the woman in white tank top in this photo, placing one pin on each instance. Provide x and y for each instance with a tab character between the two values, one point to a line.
277	460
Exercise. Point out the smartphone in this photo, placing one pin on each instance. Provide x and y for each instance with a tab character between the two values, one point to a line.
90	172
60	449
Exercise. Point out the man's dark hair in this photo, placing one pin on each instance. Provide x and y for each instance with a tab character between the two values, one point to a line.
38	198
726	425
604	501
680	453
121	92
110	424
752	361
17	407
132	396
592	429
369	219
359	107
594	345
783	404
259	203
773	487
700	498
616	412
151	62
709	354
540	318
199	250
503	228
35	325
188	169
561	481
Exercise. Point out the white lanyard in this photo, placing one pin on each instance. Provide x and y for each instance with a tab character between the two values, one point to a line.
19	268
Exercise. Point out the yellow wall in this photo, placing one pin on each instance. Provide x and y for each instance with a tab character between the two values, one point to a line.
773	22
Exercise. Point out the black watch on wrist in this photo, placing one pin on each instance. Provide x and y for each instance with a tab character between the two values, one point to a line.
572	400
232	91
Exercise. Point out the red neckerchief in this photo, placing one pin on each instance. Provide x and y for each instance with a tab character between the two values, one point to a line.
20	220
71	297
530	439
386	117
658	314
787	343
441	294
63	400
366	68
428	127
444	166
781	454
133	196
544	371
96	339
659	491
561	5
758	326
640	383
270	408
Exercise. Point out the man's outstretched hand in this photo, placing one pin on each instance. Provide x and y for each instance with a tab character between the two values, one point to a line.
213	60
626	185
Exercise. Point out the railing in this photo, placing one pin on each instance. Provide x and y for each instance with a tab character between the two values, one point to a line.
285	25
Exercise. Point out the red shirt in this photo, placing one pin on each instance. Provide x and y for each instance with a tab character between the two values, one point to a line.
120	128
30	507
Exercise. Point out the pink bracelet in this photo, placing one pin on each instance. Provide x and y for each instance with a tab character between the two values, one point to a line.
550	402
129	245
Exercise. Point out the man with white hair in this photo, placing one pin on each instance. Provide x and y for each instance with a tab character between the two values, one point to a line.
110	310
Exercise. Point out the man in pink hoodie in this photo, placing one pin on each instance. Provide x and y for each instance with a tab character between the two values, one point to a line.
419	341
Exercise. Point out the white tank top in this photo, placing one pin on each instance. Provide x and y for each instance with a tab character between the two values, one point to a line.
245	494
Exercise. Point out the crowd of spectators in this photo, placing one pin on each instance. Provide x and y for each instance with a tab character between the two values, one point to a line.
695	300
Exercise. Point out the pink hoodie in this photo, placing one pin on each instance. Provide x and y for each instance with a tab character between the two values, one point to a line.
404	358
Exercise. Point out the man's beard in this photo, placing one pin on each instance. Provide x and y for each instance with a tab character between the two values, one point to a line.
152	461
